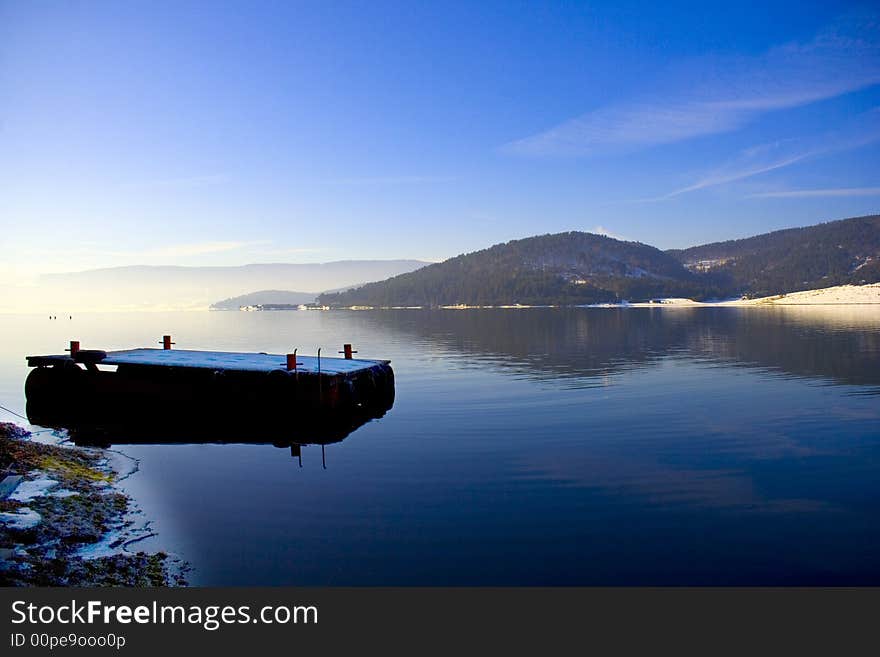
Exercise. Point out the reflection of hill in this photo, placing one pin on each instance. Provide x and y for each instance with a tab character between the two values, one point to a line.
548	343
838	344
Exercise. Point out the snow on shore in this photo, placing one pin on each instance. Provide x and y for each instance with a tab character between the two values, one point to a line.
838	295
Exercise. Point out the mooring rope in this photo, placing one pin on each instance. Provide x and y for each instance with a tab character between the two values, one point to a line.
33	433
14	413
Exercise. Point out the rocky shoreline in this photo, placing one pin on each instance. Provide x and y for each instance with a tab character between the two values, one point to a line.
65	522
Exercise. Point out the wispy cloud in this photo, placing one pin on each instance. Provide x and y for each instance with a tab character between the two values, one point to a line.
810	193
746	165
624	127
196	249
182	181
764	158
98	251
710	96
284	251
387	180
740	169
81	256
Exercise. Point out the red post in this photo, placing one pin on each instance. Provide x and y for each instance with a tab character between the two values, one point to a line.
166	342
74	347
346	350
291	361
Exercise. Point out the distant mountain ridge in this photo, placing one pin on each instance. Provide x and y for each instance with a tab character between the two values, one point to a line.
583	268
263	297
142	287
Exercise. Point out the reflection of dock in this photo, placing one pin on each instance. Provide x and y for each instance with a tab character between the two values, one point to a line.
163	429
176	396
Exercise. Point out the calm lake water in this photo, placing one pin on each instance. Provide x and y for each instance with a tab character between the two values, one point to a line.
535	446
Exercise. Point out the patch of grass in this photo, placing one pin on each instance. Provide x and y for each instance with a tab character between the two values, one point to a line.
73	468
70	469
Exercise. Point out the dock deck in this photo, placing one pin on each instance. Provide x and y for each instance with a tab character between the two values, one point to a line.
221	360
238	361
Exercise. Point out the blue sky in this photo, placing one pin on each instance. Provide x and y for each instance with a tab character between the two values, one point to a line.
228	133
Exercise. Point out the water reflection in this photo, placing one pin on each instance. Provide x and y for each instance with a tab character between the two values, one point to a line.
167	427
838	344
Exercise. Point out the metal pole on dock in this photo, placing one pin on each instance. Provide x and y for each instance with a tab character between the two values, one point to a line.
320	394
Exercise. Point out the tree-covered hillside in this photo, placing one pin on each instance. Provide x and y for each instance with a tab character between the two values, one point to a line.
579	268
565	268
833	253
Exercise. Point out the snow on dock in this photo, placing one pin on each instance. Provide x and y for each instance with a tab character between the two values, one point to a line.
237	361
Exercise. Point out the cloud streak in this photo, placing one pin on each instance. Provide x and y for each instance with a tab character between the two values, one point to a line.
181	182
740	170
764	158
388	180
811	193
85	255
196	249
744	166
711	96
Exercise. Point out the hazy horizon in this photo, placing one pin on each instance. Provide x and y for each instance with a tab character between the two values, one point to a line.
146	287
171	287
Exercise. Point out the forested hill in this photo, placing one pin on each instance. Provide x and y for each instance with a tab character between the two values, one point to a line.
833	253
565	268
579	268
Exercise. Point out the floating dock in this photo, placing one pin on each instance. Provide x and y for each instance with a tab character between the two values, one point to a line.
88	389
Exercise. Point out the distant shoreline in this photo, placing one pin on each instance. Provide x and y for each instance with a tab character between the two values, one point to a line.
839	295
